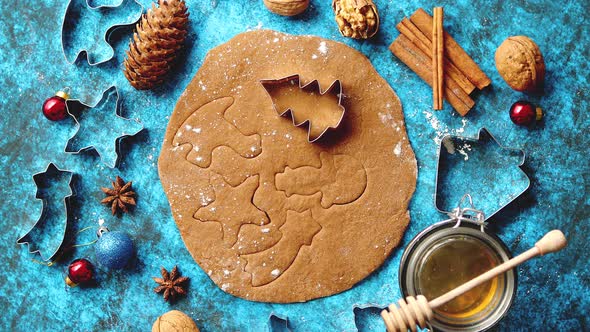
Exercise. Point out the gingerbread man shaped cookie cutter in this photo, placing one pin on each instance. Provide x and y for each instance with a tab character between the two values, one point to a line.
312	87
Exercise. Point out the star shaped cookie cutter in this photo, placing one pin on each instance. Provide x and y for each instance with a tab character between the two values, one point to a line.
108	154
95	48
49	210
335	89
455	150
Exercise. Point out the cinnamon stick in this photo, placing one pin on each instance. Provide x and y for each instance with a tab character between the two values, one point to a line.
440	51
454	51
420	63
437	58
408	29
433	52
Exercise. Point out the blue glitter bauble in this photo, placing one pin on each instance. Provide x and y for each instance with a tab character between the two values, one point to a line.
114	250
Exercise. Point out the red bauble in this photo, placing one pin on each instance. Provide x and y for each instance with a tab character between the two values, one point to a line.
524	113
80	271
54	108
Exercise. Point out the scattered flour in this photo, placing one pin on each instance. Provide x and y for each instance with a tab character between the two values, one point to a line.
442	130
257	27
388	120
205	200
448	143
397	150
323	48
463	151
275	272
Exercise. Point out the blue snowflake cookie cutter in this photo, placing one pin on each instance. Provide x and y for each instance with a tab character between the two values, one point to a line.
48	231
81	15
94	121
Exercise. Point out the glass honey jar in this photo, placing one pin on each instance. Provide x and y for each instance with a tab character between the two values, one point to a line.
448	254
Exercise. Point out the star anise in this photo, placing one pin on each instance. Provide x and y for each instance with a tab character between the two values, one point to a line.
120	197
172	284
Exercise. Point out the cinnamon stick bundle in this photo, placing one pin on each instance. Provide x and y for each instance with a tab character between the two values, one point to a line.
454	51
420	63
414	47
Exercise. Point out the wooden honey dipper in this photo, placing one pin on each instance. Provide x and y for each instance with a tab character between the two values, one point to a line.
418	310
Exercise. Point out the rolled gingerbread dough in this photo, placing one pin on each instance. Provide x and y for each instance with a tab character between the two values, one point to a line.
266	214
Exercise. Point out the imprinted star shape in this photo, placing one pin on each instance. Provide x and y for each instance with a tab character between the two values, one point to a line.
101	127
232	207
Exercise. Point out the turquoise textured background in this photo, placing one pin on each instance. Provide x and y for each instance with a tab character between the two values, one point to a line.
552	292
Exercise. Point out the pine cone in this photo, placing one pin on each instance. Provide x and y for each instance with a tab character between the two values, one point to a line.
160	34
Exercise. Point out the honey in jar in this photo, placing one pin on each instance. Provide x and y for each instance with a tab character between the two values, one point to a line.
451	263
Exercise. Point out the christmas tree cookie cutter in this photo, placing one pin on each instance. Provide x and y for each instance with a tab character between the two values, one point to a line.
81	15
318	116
92	121
490	173
38	238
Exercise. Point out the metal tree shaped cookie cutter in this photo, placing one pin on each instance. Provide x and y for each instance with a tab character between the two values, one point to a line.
493	182
312	87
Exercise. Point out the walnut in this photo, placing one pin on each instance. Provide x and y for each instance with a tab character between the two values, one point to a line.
174	321
520	63
356	18
286	7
